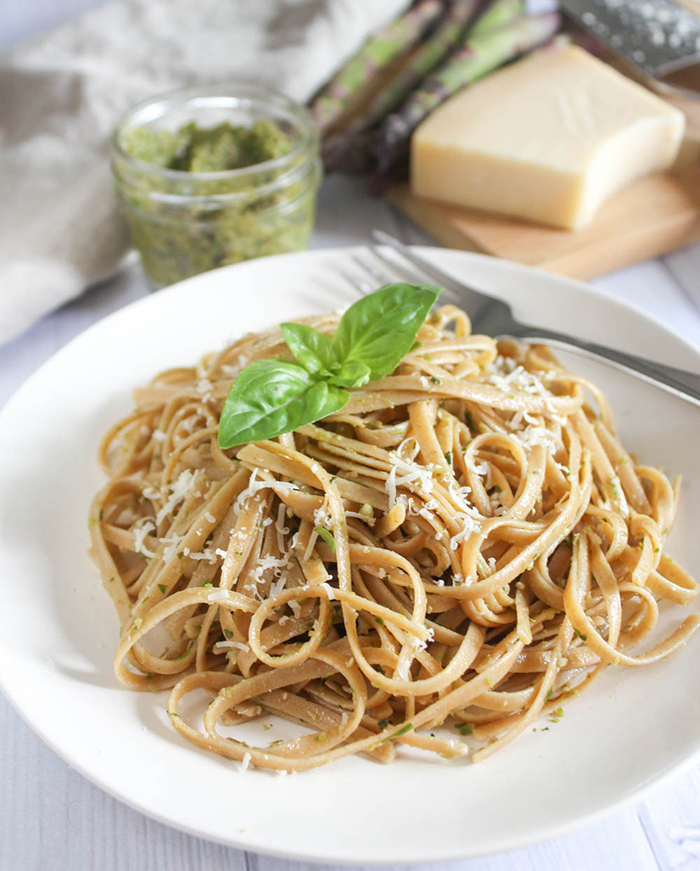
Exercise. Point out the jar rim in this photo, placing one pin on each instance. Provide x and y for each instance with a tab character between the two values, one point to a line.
241	94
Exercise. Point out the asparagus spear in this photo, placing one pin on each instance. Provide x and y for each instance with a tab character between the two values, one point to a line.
496	14
429	55
480	55
350	150
377	53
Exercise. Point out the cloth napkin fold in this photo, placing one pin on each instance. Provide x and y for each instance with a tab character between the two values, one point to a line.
62	93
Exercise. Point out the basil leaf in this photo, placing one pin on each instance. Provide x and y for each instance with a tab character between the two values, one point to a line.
271	397
312	348
353	374
379	329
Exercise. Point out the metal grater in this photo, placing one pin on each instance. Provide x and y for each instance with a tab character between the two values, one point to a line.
658	39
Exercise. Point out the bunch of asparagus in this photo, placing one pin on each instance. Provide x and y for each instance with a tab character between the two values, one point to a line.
419	61
375	55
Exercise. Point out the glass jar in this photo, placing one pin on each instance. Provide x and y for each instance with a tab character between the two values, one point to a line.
183	223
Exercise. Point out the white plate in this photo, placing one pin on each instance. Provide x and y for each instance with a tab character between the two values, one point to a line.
59	630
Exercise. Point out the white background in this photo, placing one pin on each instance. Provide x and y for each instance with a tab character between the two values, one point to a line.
52	819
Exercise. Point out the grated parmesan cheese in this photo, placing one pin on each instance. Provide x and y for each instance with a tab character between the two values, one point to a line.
536	435
277	586
280	528
267	562
227	645
140	530
516	380
470	525
407	474
255	486
172	546
179	490
321	516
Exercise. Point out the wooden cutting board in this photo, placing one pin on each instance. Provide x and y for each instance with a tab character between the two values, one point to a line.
653	216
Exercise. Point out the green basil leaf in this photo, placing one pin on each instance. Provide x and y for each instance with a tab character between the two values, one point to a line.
315	351
379	329
353	374
271	397
312	348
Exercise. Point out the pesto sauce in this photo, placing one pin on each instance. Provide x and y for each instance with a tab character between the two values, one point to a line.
208	149
183	224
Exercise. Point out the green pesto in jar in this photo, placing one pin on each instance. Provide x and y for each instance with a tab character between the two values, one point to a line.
197	198
208	149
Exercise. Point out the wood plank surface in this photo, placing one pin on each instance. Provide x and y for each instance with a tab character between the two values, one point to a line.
653	216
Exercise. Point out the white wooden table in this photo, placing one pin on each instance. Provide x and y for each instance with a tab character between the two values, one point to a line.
52	819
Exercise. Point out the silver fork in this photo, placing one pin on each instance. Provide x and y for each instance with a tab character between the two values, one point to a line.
494	317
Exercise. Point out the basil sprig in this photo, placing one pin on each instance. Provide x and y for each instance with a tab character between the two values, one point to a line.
271	397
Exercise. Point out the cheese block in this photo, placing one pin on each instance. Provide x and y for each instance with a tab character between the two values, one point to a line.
548	139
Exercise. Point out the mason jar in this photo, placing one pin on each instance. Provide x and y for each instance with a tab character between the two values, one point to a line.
183	223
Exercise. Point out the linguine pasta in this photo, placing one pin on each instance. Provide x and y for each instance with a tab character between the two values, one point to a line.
465	545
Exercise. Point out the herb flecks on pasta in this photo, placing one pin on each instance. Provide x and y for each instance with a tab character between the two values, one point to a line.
456	552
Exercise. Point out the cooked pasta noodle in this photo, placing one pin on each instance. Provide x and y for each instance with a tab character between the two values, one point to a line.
466	544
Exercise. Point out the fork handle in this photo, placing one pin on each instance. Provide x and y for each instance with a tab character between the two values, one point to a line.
679	381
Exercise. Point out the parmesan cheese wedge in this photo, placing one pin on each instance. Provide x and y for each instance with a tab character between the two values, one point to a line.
549	139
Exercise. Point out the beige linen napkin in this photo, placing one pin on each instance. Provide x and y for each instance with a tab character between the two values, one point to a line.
62	93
